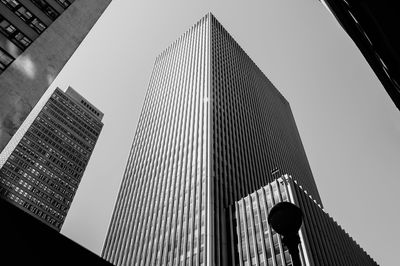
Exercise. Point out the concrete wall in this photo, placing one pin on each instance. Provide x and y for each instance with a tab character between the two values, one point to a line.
28	77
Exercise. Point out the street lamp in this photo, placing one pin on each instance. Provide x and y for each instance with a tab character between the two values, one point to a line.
286	219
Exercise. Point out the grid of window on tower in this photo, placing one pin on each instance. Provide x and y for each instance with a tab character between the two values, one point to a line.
22	14
44	170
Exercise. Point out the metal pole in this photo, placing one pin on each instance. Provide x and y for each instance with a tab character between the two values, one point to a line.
292	243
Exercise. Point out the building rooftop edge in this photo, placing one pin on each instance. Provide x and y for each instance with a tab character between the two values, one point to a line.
89	107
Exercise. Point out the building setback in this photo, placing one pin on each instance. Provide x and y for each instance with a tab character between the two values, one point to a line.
37	37
43	171
323	241
212	130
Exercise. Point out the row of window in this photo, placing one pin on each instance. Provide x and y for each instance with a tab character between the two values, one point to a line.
47	152
46	8
41	185
25	195
67	120
13	34
5	59
76	116
75	128
23	13
29	186
78	110
71	105
64	3
45	128
68	137
90	107
35	136
56	141
43	148
57	126
14	173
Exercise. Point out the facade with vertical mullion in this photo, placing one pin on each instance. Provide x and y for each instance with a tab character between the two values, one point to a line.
213	129
323	241
254	133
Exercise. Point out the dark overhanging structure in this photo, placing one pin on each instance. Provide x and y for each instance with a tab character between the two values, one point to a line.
373	26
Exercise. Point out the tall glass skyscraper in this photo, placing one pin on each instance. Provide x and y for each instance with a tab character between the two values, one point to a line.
213	129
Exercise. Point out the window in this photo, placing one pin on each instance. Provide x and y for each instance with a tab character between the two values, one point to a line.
5	59
46	8
13	34
11	3
64	3
25	41
24	14
37	25
6	26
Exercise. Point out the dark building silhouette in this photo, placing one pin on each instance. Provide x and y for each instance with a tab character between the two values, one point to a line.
27	241
213	129
323	241
373	26
42	167
37	38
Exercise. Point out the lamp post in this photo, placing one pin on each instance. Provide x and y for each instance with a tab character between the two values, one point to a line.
286	219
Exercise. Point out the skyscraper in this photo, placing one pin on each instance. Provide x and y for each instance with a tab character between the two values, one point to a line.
37	37
323	241
213	129
43	171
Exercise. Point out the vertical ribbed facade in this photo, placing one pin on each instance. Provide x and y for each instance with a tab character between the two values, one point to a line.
213	129
256	243
42	172
254	136
160	216
323	241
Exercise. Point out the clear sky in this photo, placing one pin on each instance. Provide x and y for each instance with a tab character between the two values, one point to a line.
349	127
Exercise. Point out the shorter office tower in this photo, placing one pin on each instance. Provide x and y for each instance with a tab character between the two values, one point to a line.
323	241
43	171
